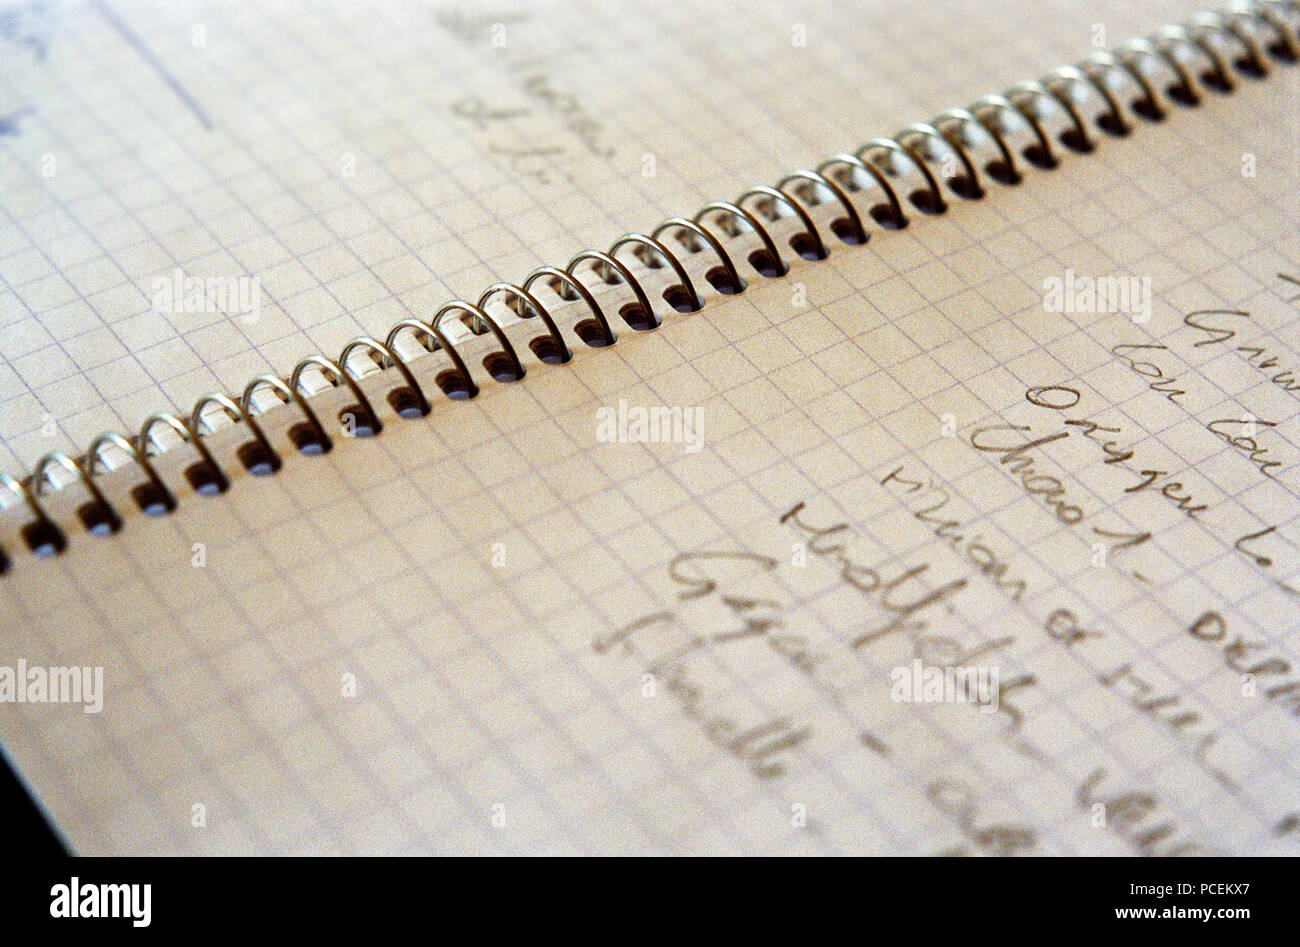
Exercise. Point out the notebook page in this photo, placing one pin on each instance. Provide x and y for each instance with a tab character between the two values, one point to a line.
489	632
350	164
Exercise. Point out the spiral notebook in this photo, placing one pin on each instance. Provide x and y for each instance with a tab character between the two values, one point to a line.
938	498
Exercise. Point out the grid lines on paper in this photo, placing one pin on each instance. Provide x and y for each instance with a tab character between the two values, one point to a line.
463	602
432	213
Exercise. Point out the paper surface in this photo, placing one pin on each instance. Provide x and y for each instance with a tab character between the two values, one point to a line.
345	165
670	597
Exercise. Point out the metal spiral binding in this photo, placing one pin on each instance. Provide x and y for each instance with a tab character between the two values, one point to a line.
997	138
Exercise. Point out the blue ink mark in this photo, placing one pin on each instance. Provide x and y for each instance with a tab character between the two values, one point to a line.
9	123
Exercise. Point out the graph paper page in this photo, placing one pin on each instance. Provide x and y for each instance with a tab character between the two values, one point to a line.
364	162
524	624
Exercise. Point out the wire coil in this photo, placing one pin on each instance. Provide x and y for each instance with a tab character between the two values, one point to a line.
963	152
